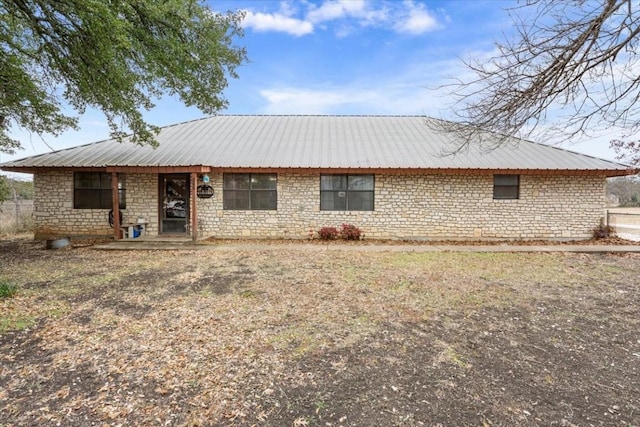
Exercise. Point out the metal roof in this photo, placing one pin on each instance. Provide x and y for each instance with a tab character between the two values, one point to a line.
313	142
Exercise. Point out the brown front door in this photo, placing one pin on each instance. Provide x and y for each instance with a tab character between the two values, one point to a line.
174	203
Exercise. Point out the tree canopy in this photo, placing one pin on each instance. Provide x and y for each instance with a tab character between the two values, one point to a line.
571	67
627	189
60	57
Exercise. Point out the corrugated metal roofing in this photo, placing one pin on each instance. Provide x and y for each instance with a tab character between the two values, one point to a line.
316	142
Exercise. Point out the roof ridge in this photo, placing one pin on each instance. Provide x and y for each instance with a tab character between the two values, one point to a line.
282	115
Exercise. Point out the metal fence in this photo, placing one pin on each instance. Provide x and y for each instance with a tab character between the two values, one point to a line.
16	217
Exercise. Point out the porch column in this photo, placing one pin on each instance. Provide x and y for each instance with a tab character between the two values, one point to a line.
194	206
115	203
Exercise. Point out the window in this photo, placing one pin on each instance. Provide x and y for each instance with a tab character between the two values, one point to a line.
346	192
506	186
250	191
92	190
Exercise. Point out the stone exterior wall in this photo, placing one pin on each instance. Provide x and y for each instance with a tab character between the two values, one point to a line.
421	207
54	214
142	200
425	207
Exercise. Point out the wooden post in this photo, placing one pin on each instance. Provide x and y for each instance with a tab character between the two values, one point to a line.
194	206
17	203
115	203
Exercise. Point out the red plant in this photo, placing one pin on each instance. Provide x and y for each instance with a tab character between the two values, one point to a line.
328	233
350	232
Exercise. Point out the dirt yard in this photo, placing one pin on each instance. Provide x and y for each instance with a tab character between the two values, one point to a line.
318	338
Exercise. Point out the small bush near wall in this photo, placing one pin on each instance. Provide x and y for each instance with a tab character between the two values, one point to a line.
350	232
347	232
603	231
328	233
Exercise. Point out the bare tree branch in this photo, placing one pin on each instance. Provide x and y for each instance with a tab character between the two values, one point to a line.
571	68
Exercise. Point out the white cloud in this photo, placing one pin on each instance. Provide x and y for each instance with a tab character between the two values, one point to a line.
404	17
358	10
416	19
337	9
354	98
414	89
307	101
277	22
329	11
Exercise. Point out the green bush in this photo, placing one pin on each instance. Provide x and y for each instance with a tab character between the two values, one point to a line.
7	290
25	223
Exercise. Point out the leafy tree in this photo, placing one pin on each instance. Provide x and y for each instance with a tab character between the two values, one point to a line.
113	55
4	189
627	189
24	189
577	60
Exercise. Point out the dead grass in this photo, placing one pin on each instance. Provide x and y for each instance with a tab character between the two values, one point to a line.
322	338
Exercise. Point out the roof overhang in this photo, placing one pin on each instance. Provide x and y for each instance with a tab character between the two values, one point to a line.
381	171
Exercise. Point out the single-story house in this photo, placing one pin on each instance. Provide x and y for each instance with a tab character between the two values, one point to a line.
286	176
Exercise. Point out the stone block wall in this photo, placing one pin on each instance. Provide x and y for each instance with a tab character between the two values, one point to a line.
142	200
54	214
420	207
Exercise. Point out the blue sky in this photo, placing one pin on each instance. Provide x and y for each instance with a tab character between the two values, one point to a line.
340	57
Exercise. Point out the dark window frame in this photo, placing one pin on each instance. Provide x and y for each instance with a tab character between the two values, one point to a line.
348	192
505	190
252	194
97	195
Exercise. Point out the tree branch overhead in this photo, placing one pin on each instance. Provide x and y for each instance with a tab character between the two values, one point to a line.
116	57
570	69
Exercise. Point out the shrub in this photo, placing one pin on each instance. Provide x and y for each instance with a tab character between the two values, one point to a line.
350	232
7	290
25	223
328	233
603	231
